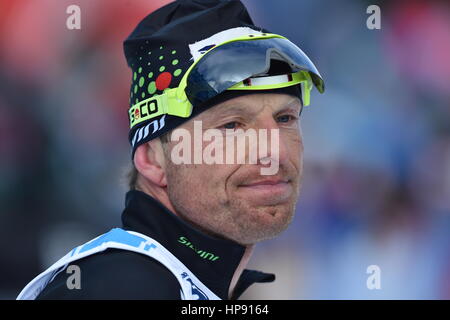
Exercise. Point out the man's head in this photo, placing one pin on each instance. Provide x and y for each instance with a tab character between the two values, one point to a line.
225	73
229	200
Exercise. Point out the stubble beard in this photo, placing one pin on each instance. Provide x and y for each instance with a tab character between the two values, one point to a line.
233	219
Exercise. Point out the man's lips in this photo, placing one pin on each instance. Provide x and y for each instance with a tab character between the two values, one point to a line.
268	191
268	182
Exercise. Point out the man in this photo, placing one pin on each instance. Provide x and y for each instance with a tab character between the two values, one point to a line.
204	78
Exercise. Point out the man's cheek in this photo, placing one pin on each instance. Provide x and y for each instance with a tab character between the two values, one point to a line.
296	150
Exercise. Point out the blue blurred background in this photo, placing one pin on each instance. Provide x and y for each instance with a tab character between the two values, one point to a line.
376	187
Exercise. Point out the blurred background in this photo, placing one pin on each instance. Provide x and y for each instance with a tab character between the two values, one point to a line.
376	188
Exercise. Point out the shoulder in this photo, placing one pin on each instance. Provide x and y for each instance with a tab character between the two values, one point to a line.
116	274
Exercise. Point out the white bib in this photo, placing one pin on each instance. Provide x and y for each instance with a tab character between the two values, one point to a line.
191	287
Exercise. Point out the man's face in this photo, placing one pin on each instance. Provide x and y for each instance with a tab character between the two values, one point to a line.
234	200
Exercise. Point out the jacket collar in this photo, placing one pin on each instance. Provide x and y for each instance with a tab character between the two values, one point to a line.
212	260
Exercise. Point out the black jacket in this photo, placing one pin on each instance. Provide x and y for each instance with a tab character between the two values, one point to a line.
121	274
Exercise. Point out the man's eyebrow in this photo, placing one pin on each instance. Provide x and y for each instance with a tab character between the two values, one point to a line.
291	105
244	110
226	110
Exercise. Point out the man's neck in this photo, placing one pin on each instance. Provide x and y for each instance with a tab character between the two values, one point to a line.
162	197
159	194
237	274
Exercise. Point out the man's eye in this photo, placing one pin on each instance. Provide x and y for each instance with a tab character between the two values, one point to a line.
286	118
230	125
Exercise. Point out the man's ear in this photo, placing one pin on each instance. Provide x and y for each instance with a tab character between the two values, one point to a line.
149	161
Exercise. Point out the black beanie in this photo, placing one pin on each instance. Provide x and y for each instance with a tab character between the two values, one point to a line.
162	47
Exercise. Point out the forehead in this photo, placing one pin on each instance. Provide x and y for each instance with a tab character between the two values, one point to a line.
253	103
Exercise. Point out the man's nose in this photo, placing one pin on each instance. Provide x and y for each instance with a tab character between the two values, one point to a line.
271	137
